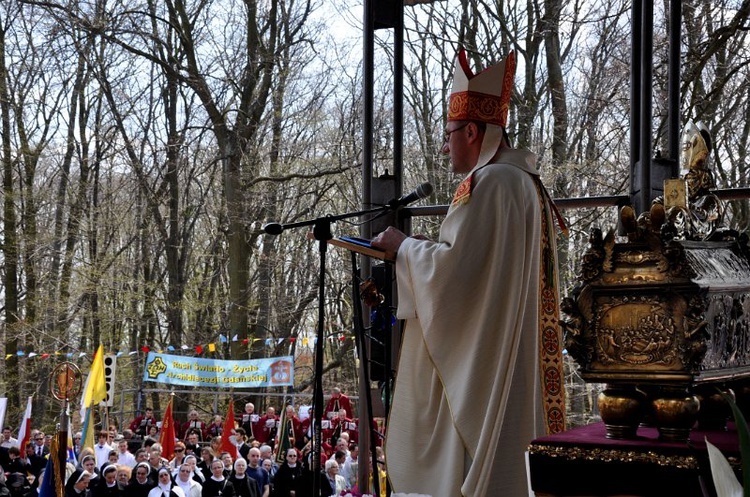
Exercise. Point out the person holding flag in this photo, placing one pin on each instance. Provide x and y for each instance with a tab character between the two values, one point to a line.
286	433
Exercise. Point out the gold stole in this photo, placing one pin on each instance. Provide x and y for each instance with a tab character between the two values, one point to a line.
551	372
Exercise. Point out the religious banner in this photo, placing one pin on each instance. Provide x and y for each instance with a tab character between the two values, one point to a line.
199	372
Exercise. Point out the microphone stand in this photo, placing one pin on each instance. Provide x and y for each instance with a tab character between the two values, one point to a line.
321	233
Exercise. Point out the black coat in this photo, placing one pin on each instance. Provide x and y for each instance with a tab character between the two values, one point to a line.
135	489
213	488
287	479
100	489
244	487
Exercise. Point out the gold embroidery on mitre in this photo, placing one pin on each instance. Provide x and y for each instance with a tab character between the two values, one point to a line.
475	106
463	192
485	96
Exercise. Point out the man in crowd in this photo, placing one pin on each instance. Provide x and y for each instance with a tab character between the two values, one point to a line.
469	342
8	440
249	421
124	456
192	446
337	402
266	452
266	432
241	439
142	424
349	469
257	473
102	449
195	425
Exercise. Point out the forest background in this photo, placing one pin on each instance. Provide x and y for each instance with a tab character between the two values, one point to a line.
145	143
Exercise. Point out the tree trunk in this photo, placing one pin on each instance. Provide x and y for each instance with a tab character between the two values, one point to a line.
10	242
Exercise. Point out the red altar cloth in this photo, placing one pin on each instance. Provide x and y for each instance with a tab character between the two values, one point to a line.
583	462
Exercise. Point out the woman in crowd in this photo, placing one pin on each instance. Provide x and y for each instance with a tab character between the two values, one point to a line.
205	463
334	478
216	427
217	485
185	481
165	486
107	485
287	481
244	486
140	483
123	474
195	472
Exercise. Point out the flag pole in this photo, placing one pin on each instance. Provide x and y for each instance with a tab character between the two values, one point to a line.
65	384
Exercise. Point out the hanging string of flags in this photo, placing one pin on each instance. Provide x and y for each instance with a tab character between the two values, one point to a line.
197	349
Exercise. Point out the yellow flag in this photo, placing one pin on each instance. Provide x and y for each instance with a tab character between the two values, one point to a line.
212	347
96	385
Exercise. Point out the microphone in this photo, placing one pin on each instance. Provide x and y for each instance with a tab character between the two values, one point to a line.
422	191
273	228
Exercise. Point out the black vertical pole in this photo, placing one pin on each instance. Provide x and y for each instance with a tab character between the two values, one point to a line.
647	73
675	29
635	95
322	232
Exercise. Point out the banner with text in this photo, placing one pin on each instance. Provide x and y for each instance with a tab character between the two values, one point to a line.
199	372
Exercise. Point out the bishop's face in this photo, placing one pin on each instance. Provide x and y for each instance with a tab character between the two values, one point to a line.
459	144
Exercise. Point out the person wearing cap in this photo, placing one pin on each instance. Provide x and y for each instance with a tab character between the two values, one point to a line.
480	368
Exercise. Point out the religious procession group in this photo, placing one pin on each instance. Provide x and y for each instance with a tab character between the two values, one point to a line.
245	455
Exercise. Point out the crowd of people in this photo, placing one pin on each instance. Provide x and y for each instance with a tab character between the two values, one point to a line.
272	457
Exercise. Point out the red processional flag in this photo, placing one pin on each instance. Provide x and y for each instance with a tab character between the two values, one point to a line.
167	432
229	435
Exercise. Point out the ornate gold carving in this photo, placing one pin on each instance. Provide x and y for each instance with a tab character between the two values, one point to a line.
635	331
575	453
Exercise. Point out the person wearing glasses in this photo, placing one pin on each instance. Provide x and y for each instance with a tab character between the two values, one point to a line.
186	482
480	368
179	457
38	456
287	481
40	448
